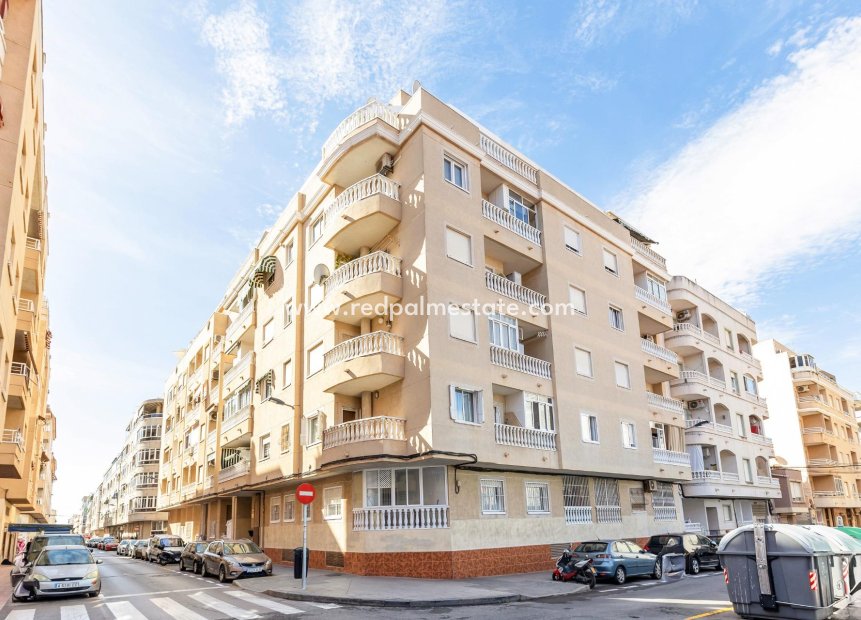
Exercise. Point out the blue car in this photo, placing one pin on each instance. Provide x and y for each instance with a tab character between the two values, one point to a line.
619	559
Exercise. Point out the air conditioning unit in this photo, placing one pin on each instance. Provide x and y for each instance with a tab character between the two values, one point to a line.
696	404
683	315
385	165
801	389
650	486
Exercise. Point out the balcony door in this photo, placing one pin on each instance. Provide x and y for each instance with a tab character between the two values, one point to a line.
504	332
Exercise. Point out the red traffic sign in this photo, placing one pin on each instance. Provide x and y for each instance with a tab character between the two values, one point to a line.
305	493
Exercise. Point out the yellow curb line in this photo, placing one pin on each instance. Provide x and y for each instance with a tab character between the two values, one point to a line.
709	613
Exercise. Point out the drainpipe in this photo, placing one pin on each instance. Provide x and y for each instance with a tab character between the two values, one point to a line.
299	340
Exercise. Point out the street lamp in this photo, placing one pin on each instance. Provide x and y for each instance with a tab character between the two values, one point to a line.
278	401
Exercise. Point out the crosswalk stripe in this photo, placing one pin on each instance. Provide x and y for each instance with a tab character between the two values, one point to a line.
22	614
123	610
74	612
324	605
259	601
226	608
175	610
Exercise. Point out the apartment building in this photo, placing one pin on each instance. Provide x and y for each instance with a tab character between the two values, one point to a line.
456	437
26	468
795	505
725	417
814	430
125	503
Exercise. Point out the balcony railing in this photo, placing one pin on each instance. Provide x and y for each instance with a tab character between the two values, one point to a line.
705	475
767	481
729	476
663	402
609	514
239	322
761	439
21	369
578	514
240	468
507	158
367	113
514	360
708	426
366	429
375	262
509	435
12	435
754	398
371	186
366	344
506	220
513	290
653	300
648	252
671	457
26	305
400	518
693	527
239	367
828	494
34	244
237	418
694	330
823	462
658	351
665	513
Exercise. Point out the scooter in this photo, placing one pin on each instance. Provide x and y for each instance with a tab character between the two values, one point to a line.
568	568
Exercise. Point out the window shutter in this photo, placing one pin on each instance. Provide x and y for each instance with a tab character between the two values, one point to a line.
321	424
452	402
479	397
303	431
585	432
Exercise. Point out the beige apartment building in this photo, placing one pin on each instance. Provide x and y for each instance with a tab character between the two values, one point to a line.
27	465
441	444
725	432
814	430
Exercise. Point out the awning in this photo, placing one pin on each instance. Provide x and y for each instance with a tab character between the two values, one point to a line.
269	378
265	271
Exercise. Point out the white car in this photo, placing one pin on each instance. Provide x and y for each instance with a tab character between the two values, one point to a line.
60	570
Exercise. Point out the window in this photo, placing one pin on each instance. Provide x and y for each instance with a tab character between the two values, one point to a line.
629	434
332	503
312	430
287	373
315	359
237	401
268	331
288	312
288	254
577	299
265	387
419	486
656	287
537	498
583	359
504	332
454	172
315	295
611	263
275	509
315	230
748	470
617	321
144	503
663	502
492	497
461	323
589	427
149	432
623	375
458	246
265	447
607	500
795	491
727	512
285	438
749	385
638	499
148	455
740	425
572	240
728	337
520	208
289	512
539	410
466	405
733	381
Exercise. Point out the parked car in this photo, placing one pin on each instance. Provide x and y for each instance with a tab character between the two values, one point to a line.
124	546
164	549
60	570
619	559
700	552
35	546
231	559
139	549
192	557
108	544
94	541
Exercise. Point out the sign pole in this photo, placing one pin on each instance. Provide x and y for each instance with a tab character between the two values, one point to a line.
304	546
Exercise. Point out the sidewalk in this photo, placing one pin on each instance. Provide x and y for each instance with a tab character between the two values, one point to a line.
345	589
5	584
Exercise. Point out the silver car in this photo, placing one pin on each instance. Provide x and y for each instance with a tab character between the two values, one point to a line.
230	559
60	570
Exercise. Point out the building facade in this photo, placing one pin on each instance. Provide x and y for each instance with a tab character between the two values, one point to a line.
27	466
795	506
814	430
725	432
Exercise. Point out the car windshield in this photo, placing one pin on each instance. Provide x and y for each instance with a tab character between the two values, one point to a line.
241	547
200	547
591	547
62	557
171	542
141	543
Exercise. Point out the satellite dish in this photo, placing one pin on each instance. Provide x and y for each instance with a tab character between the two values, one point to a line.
321	272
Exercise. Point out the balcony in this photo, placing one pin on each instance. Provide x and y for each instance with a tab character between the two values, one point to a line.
671	457
240	468
835	499
767	481
366	436
509	435
644	250
240	369
508	159
518	231
33	263
26	315
512	290
236	428
21	377
761	439
695	383
694	335
693	425
754	398
575	515
240	324
813	404
400	518
353	149
362	215
520	362
660	363
656	315
11	453
364	364
664	403
363	288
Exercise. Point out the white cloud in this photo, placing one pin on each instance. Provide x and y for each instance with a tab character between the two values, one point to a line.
592	18
771	186
597	21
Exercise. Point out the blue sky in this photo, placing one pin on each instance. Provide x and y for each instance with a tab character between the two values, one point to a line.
727	130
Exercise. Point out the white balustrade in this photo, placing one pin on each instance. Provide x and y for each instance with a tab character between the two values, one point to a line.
653	300
578	514
658	351
826	462
240	468
241	367
665	513
664	402
239	323
12	436
237	418
507	158
509	435
514	360
513	290
718	383
34	244
21	369
767	481
648	252
506	220
366	344
609	514
761	439
370	186
705	475
755	398
729	476
400	518
364	115
26	305
671	457
366	429
375	262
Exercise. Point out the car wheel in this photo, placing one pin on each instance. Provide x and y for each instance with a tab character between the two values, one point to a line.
222	575
592	580
555	576
659	570
695	566
181	566
203	571
161	562
620	575
93	594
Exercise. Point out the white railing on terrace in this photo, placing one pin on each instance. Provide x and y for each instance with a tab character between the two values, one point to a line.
514	360
717	382
12	435
240	468
747	357
658	351
755	398
507	158
810	430
506	220
34	244
239	366
367	113
648	252
664	402
366	429
761	439
689	329
400	518
693	527
729	476
665	513
706	425
509	435
766	481
826	462
375	262
366	344
26	305
513	290
237	418
705	475
827	494
671	457
609	514
370	186
578	514
23	370
653	300
238	322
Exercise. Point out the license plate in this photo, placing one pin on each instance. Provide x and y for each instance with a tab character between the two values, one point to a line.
254	569
67	584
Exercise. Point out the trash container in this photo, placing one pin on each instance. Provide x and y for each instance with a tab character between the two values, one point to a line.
783	571
673	566
298	557
849	548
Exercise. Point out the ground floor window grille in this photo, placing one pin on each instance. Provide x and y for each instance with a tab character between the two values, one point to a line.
607	503
575	496
663	502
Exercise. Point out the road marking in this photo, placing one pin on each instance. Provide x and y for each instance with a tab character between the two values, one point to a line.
162	592
709	613
264	602
175	610
123	610
609	590
74	612
22	614
226	608
323	605
672	601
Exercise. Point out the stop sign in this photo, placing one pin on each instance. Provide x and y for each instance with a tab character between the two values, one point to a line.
305	493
